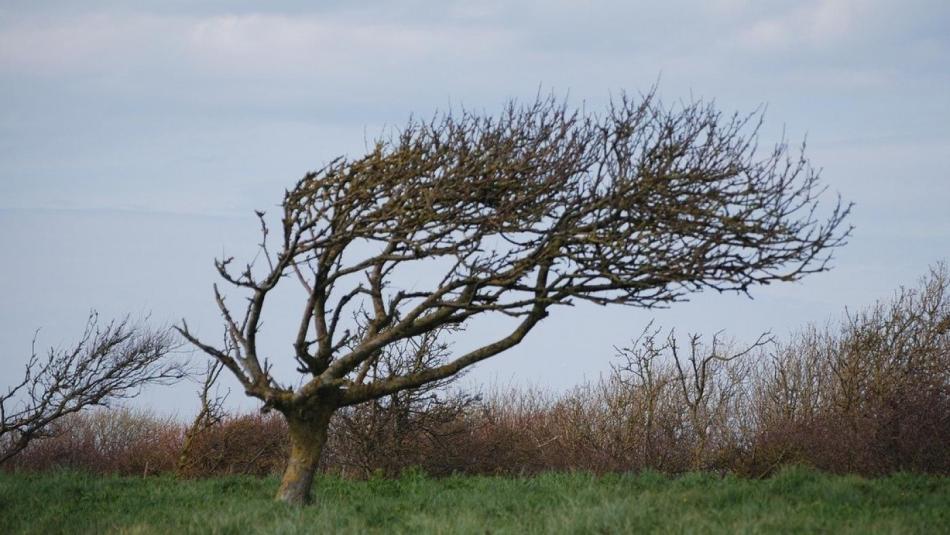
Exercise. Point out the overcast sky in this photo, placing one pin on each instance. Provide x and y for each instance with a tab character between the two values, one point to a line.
135	142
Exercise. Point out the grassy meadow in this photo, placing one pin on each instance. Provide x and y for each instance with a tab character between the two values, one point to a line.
796	500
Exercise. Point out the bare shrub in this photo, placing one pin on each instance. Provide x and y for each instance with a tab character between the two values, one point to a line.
407	428
509	432
871	395
119	441
253	444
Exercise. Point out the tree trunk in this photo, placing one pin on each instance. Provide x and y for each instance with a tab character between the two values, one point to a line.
308	434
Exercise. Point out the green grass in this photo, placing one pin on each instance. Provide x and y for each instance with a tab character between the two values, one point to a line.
795	501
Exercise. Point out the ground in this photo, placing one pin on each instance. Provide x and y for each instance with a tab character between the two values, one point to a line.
796	500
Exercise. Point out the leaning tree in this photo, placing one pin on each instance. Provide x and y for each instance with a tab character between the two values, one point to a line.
111	362
517	214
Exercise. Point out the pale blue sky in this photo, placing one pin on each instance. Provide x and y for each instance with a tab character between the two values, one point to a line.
136	141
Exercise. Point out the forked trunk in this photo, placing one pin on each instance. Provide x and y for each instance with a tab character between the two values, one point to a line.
308	435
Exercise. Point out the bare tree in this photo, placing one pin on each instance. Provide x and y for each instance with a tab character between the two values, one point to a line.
706	391
644	378
696	391
109	363
210	414
538	207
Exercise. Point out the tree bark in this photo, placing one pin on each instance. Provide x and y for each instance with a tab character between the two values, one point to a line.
308	434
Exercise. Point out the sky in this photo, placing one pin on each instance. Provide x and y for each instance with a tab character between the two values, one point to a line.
137	139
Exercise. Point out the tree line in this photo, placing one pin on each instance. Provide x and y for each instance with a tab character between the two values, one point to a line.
869	394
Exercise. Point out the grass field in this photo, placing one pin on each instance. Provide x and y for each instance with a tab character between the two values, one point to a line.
796	500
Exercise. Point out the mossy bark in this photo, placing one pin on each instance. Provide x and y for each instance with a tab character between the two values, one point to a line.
308	435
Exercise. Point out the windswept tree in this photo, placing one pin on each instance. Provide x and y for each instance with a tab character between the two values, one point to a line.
514	215
110	362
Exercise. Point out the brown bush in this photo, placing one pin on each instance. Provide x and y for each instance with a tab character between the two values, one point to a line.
254	444
122	441
409	428
870	395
